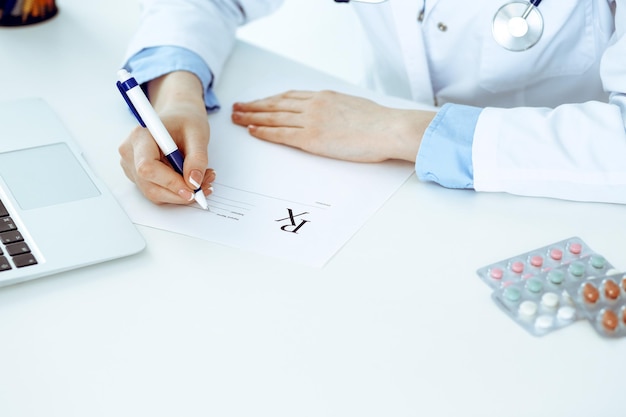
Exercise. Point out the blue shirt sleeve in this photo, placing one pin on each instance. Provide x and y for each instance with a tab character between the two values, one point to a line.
151	63
445	154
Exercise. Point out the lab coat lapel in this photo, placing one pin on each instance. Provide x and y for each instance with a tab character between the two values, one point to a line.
412	43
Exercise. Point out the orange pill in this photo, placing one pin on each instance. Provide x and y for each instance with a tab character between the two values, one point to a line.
624	315
590	293
611	289
624	283
609	320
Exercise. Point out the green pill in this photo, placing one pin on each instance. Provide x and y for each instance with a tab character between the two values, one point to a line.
534	285
556	277
512	294
597	261
577	269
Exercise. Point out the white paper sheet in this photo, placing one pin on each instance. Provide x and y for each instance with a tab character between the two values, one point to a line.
273	199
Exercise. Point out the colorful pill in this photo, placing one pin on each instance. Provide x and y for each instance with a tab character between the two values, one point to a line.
575	248
536	261
556	254
556	277
550	300
624	283
624	315
496	273
597	261
534	285
517	267
590	293
512	294
611	289
609	321
577	269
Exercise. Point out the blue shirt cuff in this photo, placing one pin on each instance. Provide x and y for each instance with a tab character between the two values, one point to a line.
151	63
445	154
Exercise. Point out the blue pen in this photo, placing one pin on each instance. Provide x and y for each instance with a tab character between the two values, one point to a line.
147	117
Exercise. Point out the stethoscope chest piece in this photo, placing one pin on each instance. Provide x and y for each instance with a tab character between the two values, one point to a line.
517	26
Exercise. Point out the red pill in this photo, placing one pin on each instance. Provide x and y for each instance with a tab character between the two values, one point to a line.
590	293
536	260
496	273
517	267
556	254
609	320
576	248
611	289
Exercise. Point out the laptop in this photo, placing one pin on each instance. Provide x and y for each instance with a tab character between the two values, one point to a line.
55	214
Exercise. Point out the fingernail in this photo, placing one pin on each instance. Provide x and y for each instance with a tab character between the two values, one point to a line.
186	194
195	178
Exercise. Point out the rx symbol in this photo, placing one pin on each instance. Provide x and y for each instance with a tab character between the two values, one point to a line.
293	225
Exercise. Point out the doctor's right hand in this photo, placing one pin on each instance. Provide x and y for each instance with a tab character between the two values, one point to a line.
177	98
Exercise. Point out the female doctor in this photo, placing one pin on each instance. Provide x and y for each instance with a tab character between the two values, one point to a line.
531	97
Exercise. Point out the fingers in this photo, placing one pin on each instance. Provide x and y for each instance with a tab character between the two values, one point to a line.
298	138
282	135
161	184
195	150
143	164
290	101
283	110
272	119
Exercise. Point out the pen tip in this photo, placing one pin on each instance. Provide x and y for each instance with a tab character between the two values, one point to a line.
201	200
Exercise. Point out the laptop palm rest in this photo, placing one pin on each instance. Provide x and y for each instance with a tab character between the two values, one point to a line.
45	175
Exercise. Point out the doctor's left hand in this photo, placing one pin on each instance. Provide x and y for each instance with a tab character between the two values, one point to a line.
335	125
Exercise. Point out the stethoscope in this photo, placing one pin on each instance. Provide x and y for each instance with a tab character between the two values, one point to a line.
516	26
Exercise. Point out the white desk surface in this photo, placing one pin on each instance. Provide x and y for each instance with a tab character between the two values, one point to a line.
396	324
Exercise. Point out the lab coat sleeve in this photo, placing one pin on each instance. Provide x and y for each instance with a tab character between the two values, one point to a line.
206	28
151	63
445	154
573	151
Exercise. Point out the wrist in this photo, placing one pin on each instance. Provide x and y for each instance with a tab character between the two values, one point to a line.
179	88
410	129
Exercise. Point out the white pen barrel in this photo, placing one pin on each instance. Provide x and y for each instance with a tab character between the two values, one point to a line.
151	120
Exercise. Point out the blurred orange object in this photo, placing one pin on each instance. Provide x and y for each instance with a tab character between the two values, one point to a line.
26	12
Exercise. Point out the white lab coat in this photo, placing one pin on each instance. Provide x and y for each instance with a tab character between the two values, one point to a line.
554	118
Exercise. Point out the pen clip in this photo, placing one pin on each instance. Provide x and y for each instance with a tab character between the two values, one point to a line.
124	87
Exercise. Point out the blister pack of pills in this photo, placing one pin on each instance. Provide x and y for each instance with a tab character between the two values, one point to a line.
535	262
602	300
537	305
535	288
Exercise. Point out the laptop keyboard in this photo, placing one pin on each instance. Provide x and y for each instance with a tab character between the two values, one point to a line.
14	252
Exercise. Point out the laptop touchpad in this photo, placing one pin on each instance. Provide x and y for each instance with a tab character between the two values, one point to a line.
45	175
